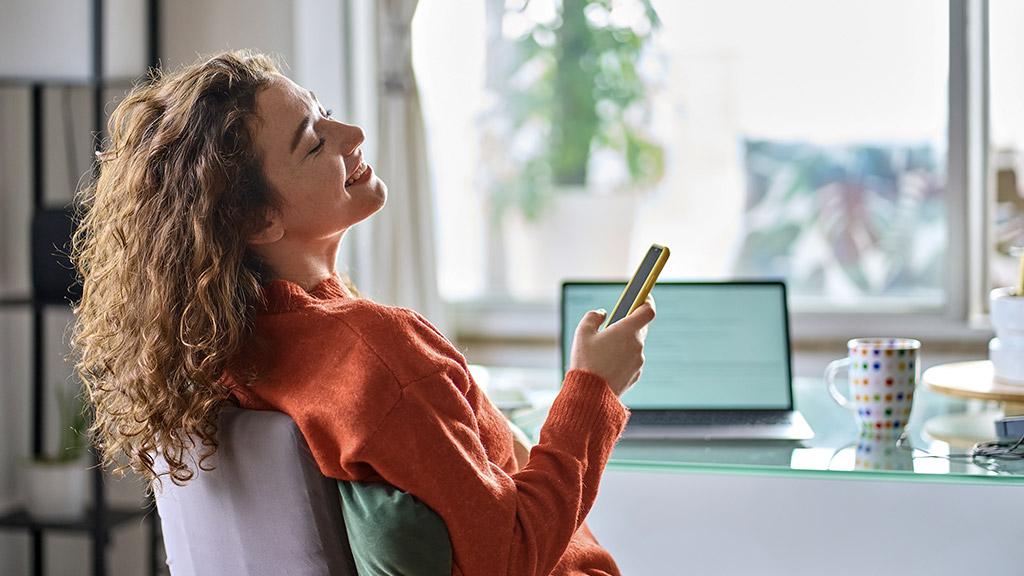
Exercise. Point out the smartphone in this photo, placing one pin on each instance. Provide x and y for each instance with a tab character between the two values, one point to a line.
640	284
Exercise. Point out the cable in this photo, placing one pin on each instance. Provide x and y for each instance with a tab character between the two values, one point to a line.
1001	449
985	455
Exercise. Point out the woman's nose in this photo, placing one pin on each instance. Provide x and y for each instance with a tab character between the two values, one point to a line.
350	136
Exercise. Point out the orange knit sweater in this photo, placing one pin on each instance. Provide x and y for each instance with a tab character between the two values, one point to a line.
381	395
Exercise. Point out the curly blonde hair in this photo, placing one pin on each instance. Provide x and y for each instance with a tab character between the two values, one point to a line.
168	283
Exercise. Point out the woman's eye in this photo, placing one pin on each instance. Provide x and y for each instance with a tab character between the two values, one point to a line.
319	145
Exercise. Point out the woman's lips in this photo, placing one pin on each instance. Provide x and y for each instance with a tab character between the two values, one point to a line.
359	173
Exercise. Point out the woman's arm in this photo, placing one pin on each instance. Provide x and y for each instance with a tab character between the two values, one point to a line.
524	522
434	444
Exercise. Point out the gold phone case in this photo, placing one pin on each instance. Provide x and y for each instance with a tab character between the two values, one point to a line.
652	277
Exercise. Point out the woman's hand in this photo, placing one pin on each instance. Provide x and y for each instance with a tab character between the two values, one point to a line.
615	353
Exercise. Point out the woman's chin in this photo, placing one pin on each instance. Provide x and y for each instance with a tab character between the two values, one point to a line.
380	191
374	194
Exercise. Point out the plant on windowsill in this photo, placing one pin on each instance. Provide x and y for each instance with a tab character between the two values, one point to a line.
55	483
570	124
574	106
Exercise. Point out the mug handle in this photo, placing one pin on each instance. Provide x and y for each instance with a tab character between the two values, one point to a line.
830	377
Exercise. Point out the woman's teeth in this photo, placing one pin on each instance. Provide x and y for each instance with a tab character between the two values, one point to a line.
357	175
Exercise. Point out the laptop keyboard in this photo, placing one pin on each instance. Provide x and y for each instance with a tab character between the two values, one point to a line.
711	417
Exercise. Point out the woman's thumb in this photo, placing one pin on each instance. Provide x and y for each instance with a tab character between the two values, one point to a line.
592	320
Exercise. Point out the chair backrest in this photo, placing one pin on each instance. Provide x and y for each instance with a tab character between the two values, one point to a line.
265	508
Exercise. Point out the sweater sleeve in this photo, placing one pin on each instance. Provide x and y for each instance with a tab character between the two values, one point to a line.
521	524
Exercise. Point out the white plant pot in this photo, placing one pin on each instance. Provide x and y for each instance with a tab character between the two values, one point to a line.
580	236
55	492
1006	350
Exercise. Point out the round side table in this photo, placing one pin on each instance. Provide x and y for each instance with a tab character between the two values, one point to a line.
975	380
972	380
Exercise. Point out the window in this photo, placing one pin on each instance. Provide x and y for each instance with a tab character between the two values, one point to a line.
1006	140
814	141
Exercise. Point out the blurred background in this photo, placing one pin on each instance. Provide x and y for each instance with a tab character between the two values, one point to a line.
868	153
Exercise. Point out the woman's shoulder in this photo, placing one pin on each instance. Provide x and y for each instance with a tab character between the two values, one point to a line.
402	338
373	318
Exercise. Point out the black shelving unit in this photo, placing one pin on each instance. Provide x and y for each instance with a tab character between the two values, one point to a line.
101	519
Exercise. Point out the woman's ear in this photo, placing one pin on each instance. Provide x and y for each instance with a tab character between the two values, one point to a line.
271	232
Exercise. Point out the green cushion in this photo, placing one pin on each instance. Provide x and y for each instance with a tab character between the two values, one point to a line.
393	533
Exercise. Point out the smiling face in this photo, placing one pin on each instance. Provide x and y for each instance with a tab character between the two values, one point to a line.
315	165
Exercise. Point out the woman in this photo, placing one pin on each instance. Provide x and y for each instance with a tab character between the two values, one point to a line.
208	251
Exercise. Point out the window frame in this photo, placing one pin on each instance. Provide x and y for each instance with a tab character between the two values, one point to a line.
969	194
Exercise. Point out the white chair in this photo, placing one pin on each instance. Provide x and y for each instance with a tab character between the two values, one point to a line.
265	508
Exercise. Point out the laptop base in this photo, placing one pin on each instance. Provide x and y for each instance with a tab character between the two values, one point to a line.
794	427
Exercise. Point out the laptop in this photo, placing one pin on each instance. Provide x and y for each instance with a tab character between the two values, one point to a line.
717	360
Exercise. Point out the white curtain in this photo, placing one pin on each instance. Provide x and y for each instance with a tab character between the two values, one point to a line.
391	257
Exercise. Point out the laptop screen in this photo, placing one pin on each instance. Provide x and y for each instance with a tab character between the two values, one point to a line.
713	345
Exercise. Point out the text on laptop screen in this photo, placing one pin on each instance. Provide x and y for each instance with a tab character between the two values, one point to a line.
711	346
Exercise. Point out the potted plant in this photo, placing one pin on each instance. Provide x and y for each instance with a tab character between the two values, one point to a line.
570	127
56	482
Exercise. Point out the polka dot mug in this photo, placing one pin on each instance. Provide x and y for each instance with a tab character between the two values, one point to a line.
883	373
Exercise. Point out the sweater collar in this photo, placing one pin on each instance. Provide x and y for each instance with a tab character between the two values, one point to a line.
283	296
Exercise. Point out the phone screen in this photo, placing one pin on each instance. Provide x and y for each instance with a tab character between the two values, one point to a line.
632	291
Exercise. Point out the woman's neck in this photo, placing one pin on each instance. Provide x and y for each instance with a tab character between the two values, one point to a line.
304	265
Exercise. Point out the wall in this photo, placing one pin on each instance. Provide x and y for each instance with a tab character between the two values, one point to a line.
730	524
50	39
198	27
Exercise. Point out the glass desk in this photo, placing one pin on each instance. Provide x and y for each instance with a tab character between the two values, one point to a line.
936	447
800	508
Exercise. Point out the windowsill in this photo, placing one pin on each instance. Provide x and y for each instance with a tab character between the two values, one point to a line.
505	320
526	335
